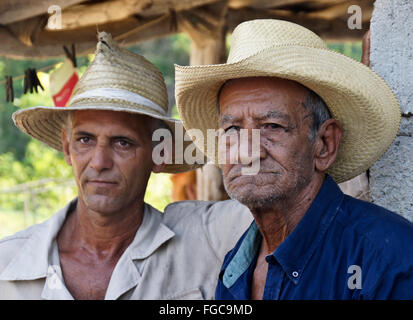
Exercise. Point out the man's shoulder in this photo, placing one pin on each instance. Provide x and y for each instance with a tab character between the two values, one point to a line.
196	209
10	245
221	223
388	232
370	217
19	236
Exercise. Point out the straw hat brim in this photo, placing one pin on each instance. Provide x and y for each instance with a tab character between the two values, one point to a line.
356	96
46	123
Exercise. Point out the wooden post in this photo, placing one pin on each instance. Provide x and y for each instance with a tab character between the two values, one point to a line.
207	47
209	178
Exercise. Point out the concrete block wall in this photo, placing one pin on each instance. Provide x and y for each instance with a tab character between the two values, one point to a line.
391	178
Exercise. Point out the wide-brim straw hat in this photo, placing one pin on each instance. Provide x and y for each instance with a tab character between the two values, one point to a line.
356	96
116	80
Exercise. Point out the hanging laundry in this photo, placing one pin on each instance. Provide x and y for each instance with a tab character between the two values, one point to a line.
31	81
62	81
9	89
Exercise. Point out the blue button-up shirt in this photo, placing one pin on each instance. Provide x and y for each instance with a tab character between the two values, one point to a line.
343	248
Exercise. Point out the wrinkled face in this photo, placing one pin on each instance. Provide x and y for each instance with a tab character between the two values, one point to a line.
111	157
274	107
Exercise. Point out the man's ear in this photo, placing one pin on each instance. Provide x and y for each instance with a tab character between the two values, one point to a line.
327	144
365	56
66	149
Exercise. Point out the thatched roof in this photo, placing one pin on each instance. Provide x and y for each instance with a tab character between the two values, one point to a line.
25	32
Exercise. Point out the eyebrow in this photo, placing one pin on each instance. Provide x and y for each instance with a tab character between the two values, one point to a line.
274	114
82	133
225	119
85	133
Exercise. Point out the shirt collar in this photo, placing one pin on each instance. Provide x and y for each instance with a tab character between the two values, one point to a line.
244	256
295	251
32	259
151	234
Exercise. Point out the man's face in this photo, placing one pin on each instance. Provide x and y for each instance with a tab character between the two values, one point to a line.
111	157
274	106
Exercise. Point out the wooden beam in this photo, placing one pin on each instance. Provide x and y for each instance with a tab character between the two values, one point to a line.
163	6
204	24
101	13
117	10
18	10
341	10
336	29
49	43
26	40
27	31
268	4
13	48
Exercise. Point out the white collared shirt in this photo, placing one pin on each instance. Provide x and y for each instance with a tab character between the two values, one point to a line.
175	255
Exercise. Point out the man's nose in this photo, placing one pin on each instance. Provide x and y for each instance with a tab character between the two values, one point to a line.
251	148
102	158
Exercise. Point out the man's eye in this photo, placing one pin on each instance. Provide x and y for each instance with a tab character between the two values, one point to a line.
232	129
84	140
123	144
272	126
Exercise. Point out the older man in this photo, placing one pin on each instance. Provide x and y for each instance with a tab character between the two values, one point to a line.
107	243
322	119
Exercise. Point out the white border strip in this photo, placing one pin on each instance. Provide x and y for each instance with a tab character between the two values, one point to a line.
116	93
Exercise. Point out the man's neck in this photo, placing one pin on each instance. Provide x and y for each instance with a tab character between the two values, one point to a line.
90	245
277	222
101	234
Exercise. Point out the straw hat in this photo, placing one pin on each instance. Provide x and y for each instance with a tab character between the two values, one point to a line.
356	96
117	80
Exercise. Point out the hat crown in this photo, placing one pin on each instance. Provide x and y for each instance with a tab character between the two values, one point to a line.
254	36
123	72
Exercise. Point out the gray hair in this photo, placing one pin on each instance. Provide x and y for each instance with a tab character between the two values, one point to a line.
318	110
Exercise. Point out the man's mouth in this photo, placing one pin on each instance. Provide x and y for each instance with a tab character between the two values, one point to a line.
102	183
250	177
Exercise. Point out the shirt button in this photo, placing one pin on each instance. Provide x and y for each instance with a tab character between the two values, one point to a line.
295	274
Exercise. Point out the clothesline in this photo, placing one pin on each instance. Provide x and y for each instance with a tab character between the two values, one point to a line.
48	67
70	54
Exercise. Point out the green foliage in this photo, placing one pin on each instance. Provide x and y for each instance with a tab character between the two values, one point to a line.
350	49
42	161
158	192
11	139
164	53
39	162
10	222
